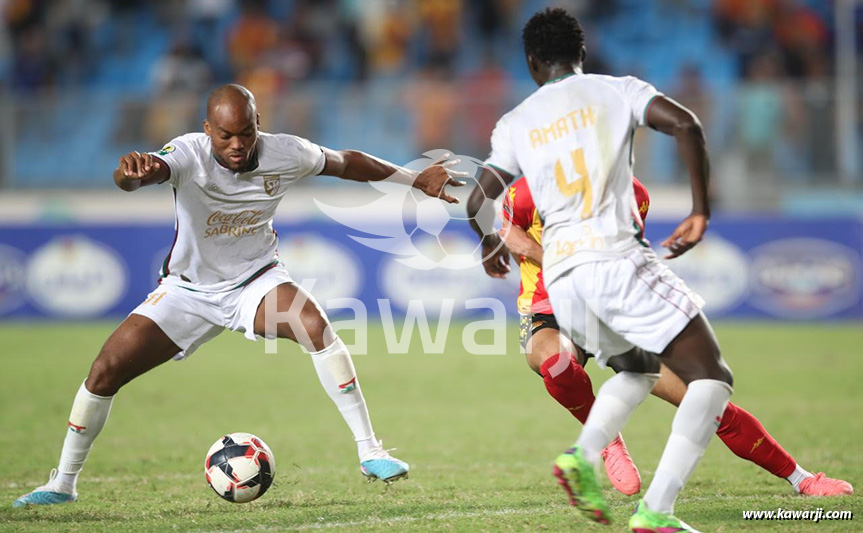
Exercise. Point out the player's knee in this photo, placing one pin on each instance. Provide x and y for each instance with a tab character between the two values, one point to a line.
106	376
635	360
719	369
535	358
318	330
724	373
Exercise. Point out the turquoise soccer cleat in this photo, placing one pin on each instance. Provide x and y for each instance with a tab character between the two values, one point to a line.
45	495
577	477
377	463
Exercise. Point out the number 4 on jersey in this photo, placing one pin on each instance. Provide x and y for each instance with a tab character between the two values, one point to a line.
580	185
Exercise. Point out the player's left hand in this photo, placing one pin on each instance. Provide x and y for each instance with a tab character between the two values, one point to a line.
434	179
687	235
495	256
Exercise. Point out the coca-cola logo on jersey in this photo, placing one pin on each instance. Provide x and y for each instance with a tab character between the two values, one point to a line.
241	224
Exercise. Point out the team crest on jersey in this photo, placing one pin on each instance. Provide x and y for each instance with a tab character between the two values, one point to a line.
271	184
167	149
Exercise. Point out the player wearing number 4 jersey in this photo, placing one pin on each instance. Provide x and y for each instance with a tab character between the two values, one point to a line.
560	363
572	140
223	271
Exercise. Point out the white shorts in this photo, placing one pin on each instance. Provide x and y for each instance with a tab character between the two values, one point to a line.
608	307
192	318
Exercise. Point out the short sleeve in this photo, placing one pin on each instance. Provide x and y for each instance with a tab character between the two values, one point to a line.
179	157
518	205
310	157
502	155
640	95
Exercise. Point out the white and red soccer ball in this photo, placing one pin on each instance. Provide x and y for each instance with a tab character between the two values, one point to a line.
240	467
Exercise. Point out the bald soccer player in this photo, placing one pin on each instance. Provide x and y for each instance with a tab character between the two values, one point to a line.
223	270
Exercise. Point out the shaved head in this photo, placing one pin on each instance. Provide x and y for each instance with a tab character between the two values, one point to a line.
232	124
232	98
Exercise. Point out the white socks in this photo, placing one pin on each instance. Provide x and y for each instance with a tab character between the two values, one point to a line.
797	476
695	422
89	413
338	377
617	399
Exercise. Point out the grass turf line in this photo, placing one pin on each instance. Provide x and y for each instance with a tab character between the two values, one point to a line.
479	431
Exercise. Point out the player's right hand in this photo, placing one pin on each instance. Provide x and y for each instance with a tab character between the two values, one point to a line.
135	165
495	256
686	235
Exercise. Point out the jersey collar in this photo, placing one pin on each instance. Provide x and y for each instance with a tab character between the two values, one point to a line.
561	78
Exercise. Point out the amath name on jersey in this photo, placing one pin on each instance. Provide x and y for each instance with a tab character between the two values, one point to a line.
240	224
561	126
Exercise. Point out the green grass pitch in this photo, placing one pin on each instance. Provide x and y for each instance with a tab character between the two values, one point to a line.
479	431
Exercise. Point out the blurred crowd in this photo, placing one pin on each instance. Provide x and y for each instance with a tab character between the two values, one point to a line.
457	63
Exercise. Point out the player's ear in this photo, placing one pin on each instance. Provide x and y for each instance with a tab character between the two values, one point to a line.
582	55
533	67
207	126
258	119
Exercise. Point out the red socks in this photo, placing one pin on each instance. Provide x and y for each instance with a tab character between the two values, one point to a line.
571	387
739	430
746	437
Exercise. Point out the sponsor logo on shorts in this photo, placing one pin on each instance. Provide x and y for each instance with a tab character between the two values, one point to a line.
804	278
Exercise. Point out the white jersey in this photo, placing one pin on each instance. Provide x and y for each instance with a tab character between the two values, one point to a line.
572	140
224	234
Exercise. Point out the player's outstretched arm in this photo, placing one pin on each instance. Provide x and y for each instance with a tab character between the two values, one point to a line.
495	254
137	170
673	119
359	166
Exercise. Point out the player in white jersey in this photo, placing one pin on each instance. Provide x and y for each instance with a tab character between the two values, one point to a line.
223	271
572	140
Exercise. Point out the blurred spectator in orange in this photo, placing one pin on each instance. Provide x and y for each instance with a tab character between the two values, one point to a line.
484	98
252	35
803	37
440	20
387	29
433	100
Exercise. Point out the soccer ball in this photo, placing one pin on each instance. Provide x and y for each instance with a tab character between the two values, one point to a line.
240	467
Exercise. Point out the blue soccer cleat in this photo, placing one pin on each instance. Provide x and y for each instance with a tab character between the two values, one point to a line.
377	463
46	495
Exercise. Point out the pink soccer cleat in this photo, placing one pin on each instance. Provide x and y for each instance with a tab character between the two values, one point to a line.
821	485
621	471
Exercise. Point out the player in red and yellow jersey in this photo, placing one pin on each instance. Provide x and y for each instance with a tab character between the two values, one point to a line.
560	363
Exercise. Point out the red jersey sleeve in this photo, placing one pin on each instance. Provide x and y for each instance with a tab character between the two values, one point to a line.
518	205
